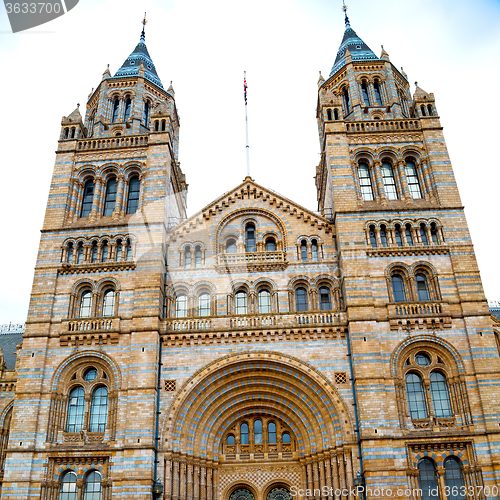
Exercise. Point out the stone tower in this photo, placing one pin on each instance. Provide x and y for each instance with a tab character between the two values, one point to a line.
418	320
92	334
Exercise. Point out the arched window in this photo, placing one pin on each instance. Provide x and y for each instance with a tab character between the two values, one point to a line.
347	105
397	235
240	299
163	125
271	432
257	431
301	299
79	254
264	301
378	96
415	396
231	246
285	438
428	480
90	374
157	126
134	188
108	304
422	109
104	251
336	113
76	410
303	251
389	181
68	490
187	257
364	91
197	257
429	109
383	236
128	255
88	197
93	253
440	395
412	179
116	107
69	253
244	433
325	299
270	245
93	489
422	286
279	494
454	479
230	440
314	250
373	237
99	410
329	114
146	113
181	305
423	234
128	107
204	305
365	182
409	237
110	200
434	234
119	250
85	304
398	288
250	238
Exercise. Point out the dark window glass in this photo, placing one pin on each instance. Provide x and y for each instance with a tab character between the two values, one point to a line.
93	253
86	304
76	410
373	237
383	236
116	107
230	440
286	438
88	197
79	254
364	90
250	238
434	234
329	114
422	287
415	396
204	305
181	306
128	256
454	479
241	302
257	431
197	257
105	250
108	307
346	101
69	253
119	250
398	288
90	374
244	433
314	250
365	182
422	359
146	113
325	300
134	188
428	480
389	181
264	302
429	109
93	490
409	237
68	490
301	299
397	234
231	246
336	113
271	432
303	251
99	410
378	97
109	204
440	395
423	234
128	107
187	257
412	179
270	245
422	109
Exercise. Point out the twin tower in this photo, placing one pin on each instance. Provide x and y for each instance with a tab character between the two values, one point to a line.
255	350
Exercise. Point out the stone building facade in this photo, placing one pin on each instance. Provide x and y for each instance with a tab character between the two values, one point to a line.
256	350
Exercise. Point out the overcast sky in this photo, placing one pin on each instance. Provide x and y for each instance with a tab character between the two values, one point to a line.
449	46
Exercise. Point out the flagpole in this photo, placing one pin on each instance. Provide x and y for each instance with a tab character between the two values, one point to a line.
245	86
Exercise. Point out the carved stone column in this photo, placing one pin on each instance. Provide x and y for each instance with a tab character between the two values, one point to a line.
119	204
316	480
96	199
175	480
189	485
182	487
335	475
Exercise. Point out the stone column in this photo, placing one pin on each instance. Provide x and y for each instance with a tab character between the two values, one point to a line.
380	195
310	484
316	480
119	204
189	488
335	475
196	481
175	480
96	200
182	492
209	483
440	475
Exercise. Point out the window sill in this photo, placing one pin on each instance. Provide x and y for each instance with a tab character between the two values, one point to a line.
251	262
96	267
428	423
428	315
88	331
82	437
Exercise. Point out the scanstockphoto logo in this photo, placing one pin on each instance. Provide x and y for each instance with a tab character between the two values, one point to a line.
26	15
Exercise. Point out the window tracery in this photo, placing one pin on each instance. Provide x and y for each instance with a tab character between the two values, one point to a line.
417	283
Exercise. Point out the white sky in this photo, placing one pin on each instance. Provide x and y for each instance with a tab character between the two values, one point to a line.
449	46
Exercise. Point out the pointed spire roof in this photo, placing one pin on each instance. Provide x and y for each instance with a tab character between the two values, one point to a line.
352	44
139	56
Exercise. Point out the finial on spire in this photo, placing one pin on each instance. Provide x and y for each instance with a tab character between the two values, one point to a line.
143	34
344	8
78	105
